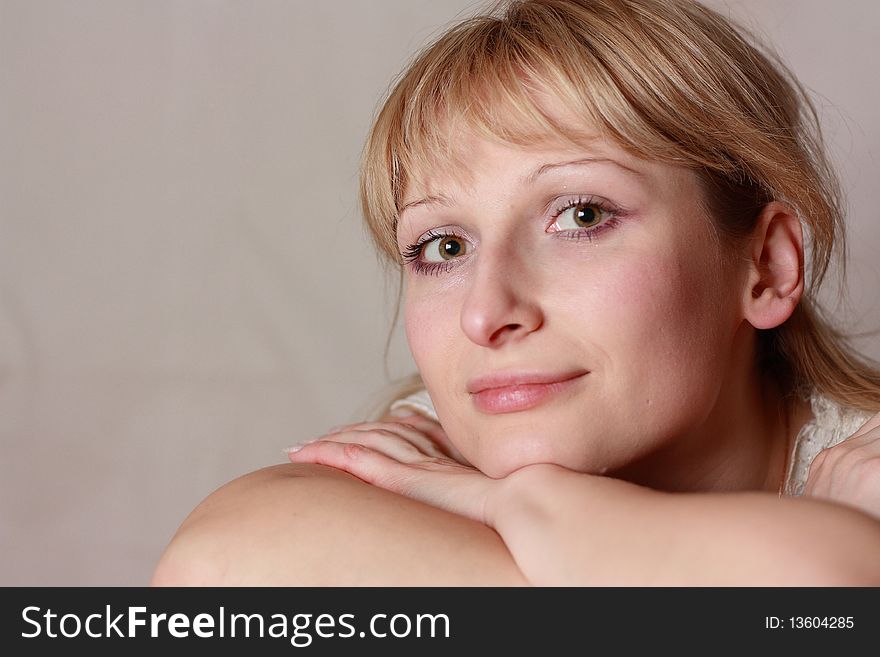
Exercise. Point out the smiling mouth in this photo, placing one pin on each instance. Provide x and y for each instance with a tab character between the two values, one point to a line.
517	397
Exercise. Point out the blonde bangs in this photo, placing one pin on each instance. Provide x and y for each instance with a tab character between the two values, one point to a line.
485	78
629	71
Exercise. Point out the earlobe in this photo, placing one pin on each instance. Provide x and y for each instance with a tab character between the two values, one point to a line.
775	280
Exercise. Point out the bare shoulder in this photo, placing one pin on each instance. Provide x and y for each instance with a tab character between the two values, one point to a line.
310	525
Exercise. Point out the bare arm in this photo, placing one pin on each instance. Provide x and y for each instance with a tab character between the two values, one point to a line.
306	524
310	525
567	528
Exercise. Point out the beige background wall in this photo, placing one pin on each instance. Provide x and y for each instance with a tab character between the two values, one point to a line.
185	287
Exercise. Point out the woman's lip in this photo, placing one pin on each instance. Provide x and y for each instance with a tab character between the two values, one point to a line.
514	378
520	396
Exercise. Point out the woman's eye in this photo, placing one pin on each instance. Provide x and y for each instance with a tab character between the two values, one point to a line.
581	215
445	248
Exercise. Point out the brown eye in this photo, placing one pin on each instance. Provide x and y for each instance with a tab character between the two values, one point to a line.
585	215
581	215
448	247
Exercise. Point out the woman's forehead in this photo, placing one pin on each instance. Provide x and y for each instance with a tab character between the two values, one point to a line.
445	145
470	157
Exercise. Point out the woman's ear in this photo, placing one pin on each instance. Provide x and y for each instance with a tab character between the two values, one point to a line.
775	278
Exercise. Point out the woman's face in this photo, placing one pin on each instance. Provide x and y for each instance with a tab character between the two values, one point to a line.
554	263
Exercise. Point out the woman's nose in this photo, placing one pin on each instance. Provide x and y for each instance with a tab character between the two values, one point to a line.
502	303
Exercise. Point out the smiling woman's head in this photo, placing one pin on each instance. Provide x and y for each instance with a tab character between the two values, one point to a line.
589	186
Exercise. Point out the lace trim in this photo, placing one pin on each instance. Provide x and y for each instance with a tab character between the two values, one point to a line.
831	424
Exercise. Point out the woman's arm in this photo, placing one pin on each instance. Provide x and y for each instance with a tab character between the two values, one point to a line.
310	525
567	528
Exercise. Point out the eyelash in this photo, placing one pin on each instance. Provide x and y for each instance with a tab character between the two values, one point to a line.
413	251
411	254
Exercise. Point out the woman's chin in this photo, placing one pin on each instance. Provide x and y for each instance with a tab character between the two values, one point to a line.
499	465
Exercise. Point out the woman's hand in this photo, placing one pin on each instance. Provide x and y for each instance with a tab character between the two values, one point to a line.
410	456
849	472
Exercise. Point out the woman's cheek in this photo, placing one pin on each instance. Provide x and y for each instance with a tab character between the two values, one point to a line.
431	325
622	303
651	321
678	335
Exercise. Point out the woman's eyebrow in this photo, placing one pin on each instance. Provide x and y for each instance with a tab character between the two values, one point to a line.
428	200
544	168
530	179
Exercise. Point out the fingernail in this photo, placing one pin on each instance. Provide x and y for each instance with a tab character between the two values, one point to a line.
401	412
298	446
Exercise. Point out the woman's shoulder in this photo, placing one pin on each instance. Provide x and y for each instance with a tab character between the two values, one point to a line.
293	524
205	544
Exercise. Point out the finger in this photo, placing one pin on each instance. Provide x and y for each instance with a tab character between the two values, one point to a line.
424	424
354	458
387	431
819	476
421	431
404	444
856	484
407	426
428	426
870	425
835	467
870	437
812	481
456	488
848	452
353	425
435	430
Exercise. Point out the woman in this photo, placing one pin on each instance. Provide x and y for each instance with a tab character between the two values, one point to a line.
600	208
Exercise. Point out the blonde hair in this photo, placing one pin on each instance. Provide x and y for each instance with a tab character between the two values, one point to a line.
667	80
